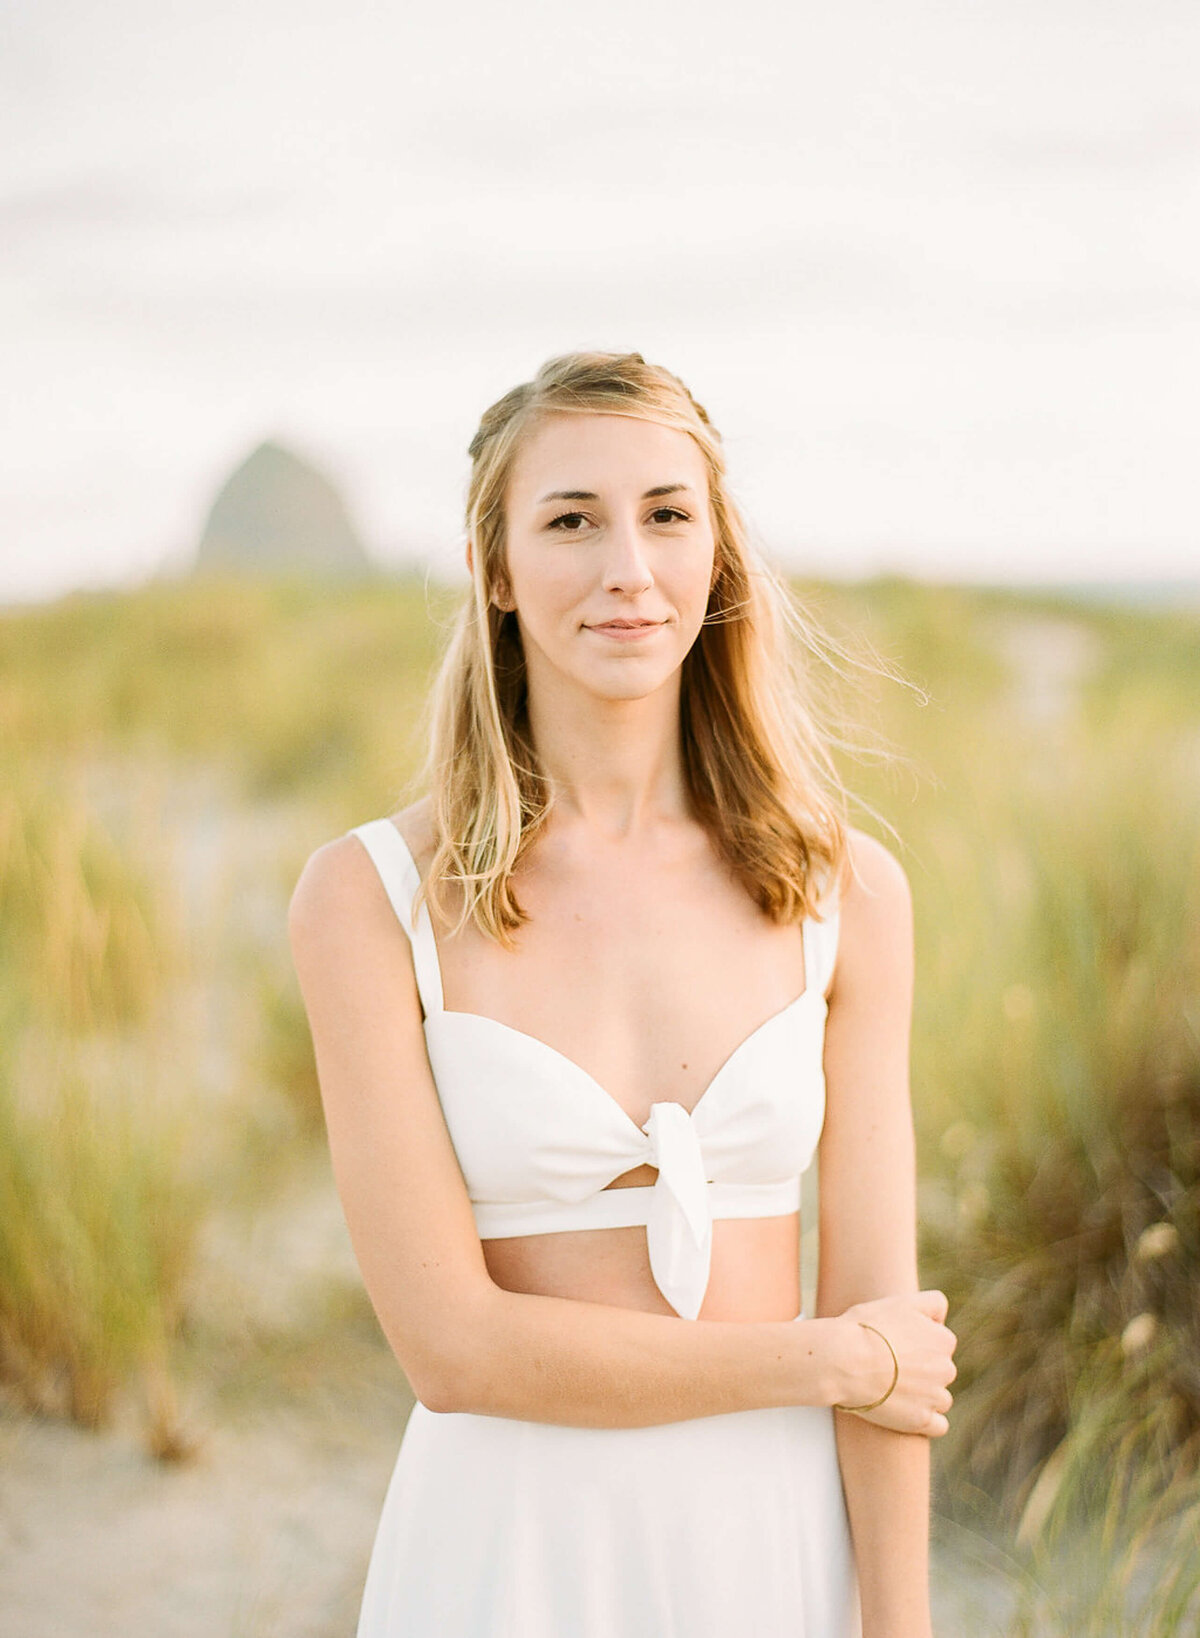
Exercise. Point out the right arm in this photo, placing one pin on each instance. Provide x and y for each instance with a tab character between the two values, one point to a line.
465	1343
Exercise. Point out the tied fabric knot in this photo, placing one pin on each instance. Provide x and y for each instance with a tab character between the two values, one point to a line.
679	1229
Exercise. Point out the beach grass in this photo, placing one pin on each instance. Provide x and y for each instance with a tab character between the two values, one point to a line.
99	1210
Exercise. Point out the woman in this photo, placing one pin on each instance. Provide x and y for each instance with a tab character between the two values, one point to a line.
580	1017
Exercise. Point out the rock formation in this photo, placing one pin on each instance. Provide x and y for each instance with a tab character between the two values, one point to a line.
277	512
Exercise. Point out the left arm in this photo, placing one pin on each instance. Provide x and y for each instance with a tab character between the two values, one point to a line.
867	1191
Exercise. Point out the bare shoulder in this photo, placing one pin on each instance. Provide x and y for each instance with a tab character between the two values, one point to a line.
873	877
349	946
339	880
876	911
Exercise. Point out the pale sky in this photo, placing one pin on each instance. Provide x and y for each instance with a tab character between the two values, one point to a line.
934	269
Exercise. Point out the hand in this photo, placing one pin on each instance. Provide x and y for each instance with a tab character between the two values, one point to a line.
923	1346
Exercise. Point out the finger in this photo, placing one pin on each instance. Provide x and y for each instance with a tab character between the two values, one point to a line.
938	1425
934	1303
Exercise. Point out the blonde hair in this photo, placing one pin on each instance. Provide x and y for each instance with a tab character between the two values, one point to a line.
757	765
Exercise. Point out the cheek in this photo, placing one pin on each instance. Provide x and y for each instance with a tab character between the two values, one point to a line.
548	591
694	581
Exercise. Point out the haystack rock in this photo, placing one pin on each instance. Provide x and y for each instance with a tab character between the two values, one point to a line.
278	512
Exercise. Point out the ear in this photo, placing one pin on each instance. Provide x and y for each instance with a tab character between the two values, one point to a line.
501	594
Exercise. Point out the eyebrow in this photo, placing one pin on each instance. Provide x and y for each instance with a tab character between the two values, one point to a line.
588	495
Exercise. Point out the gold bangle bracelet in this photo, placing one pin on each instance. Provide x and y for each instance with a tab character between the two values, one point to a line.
895	1373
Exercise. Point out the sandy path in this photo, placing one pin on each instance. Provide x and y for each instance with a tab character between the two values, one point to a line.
265	1534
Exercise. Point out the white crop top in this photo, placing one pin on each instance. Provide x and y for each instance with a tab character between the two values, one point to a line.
539	1140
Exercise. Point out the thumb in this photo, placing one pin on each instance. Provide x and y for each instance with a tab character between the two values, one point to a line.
933	1303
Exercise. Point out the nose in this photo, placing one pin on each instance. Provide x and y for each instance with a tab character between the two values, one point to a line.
626	566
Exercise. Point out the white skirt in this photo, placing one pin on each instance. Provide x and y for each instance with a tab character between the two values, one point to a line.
721	1525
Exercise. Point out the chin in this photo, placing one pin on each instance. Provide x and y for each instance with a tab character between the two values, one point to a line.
614	677
635	685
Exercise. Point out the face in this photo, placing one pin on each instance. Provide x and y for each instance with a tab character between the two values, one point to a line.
610	552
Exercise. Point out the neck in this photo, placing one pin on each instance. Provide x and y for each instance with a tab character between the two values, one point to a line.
614	765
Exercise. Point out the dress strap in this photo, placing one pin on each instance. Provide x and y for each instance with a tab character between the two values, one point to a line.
398	872
821	944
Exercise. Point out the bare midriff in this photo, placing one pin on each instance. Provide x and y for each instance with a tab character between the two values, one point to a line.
755	1272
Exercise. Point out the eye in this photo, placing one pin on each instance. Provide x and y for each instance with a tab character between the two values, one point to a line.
571	523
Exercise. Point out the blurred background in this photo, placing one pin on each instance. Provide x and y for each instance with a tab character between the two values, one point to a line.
934	274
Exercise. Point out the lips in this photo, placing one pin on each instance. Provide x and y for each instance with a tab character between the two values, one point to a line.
623	625
626	632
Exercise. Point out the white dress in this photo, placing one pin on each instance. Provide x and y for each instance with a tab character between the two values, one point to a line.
712	1527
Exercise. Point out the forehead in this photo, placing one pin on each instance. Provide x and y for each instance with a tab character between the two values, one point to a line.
602	454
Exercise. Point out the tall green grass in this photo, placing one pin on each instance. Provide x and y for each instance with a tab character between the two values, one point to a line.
294	687
95	1244
98	1208
1056	1072
83	940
